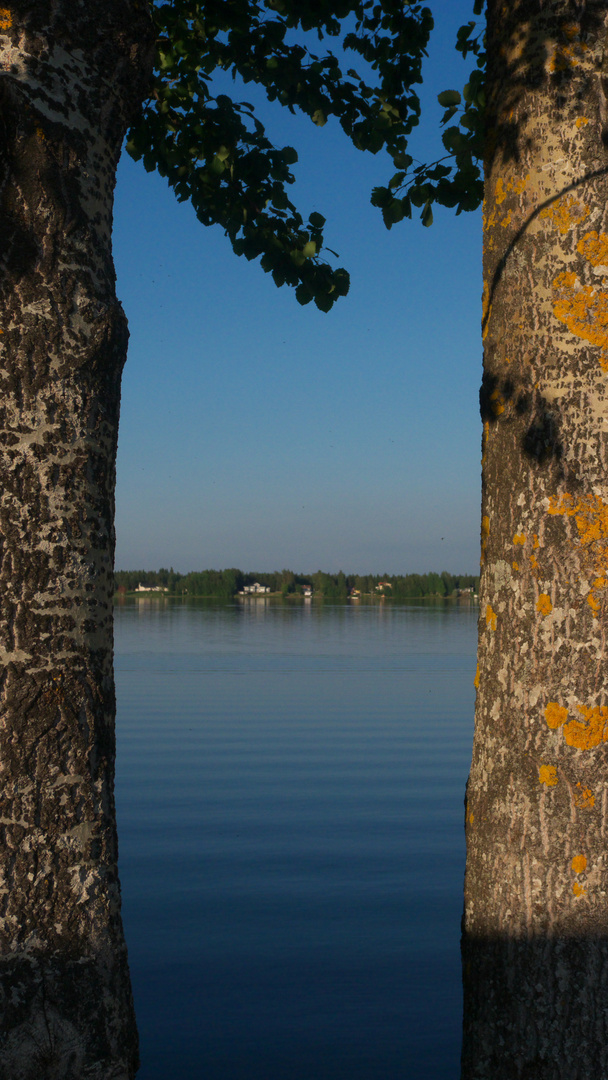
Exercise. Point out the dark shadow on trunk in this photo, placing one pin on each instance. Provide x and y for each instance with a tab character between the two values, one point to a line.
50	1000
535	1009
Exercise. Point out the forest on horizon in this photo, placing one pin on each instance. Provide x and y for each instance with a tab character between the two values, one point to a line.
225	584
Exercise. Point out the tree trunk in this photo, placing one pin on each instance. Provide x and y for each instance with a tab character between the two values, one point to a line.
72	76
535	928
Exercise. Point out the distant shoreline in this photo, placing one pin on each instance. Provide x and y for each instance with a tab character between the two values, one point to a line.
233	583
155	594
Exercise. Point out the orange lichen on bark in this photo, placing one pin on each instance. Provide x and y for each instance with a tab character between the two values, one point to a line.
579	864
547	774
565	57
486	309
585	735
594	604
519	538
565	213
515	566
491	617
584	310
578	889
503	189
591	515
584	798
6	19
594	246
588	735
497	402
582	121
555	715
544	605
476	679
484	440
485	532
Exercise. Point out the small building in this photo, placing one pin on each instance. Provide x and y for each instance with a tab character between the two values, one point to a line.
256	589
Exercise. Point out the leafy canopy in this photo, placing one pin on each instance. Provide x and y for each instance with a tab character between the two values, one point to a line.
214	150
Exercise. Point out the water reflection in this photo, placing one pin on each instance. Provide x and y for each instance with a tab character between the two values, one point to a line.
290	797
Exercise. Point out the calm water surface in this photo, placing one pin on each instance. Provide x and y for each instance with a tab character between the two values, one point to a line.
290	795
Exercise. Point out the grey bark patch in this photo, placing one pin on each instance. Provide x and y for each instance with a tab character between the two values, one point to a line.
74	75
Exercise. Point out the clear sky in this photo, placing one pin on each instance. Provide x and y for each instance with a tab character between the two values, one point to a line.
260	434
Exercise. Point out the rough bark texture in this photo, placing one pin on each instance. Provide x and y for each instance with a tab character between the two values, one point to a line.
71	76
535	943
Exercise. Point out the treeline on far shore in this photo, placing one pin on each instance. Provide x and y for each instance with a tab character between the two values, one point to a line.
226	584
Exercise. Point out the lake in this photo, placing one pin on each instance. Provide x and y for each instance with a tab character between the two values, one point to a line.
290	786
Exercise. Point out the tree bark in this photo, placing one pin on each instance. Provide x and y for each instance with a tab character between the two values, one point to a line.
535	927
72	78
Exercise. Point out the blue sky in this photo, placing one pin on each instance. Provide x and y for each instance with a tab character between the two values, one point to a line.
260	434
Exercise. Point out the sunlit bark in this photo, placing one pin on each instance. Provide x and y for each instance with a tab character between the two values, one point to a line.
71	76
535	947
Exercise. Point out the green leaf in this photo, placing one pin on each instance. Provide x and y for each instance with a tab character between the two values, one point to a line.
427	215
478	7
324	301
303	294
316	220
449	97
309	250
380	196
396	211
319	118
289	155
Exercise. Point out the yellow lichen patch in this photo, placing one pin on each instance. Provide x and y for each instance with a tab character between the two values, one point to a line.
486	309
588	735
484	440
565	213
582	121
578	889
485	532
476	679
6	19
497	402
512	186
555	715
544	605
533	562
535	542
564	57
519	538
547	774
583	309
594	246
591	516
515	566
471	818
584	798
579	864
491	617
594	604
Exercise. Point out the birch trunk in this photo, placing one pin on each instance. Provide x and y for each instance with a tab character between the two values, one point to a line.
535	942
71	76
